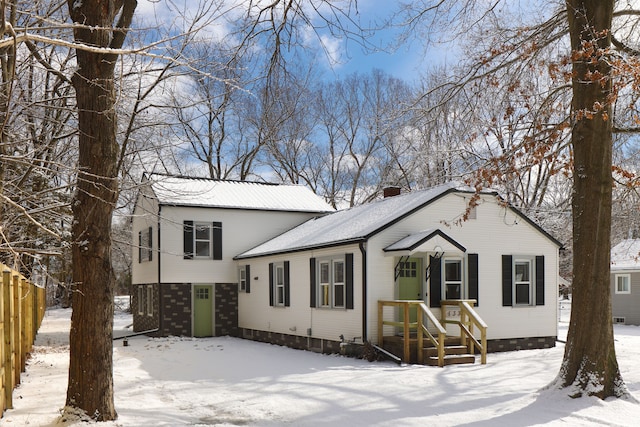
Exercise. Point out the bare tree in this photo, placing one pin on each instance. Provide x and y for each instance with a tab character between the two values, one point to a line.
512	43
90	387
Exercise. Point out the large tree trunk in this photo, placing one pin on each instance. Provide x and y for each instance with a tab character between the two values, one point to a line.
590	366
90	387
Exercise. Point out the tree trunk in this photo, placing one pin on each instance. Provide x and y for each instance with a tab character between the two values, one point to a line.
90	388
590	366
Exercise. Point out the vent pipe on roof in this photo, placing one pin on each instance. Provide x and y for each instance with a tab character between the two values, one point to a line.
390	191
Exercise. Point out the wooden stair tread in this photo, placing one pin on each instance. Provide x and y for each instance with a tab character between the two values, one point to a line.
452	359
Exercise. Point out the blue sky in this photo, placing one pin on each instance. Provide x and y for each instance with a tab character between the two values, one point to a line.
407	61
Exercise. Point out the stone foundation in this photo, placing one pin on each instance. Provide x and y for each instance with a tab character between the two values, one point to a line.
298	342
514	344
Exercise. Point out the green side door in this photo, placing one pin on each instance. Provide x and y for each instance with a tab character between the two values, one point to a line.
203	311
410	283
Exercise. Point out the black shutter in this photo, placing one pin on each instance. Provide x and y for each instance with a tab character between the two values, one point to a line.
247	278
287	303
507	280
472	260
139	247
312	282
435	281
217	240
150	244
271	291
188	240
349	280
540	280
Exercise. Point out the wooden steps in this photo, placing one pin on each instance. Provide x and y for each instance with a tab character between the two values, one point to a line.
454	352
453	355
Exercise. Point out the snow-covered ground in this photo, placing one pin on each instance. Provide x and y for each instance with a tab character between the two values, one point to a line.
230	382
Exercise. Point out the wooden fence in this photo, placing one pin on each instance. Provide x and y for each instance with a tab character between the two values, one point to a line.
22	306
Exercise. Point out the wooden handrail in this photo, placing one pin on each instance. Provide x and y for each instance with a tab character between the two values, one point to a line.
466	326
419	326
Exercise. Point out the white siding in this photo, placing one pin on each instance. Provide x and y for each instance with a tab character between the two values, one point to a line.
144	216
254	311
496	231
241	230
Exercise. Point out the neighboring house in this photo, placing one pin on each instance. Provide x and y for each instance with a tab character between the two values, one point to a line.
186	232
317	283
625	282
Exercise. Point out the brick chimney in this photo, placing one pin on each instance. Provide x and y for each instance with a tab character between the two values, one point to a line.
390	191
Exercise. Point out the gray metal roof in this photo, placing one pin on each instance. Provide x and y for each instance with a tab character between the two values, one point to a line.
350	225
202	192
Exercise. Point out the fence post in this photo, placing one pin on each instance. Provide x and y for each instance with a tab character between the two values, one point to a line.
8	338
24	340
3	385
17	343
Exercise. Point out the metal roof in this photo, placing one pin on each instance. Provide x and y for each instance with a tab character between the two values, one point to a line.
202	192
351	225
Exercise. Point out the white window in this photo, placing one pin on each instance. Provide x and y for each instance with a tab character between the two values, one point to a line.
619	320
331	278
452	278
338	283
242	278
202	240
523	281
325	284
278	281
623	283
146	245
149	300
141	305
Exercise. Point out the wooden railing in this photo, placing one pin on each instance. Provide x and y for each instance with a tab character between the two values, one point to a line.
420	326
22	306
468	319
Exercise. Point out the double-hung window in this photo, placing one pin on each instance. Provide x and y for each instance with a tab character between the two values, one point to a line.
452	279
279	284
202	242
623	283
338	283
523	281
243	278
278	281
145	245
325	283
331	280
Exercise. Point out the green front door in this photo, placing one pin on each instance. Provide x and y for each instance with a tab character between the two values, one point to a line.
203	311
410	283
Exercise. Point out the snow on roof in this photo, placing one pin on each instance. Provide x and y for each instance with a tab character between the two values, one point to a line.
626	255
350	225
187	191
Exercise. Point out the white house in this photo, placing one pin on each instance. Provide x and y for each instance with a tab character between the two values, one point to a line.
324	278
625	282
187	231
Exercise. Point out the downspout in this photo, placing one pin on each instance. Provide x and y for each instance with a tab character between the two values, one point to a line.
363	251
160	314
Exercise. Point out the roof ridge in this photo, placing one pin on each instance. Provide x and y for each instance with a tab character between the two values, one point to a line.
202	178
